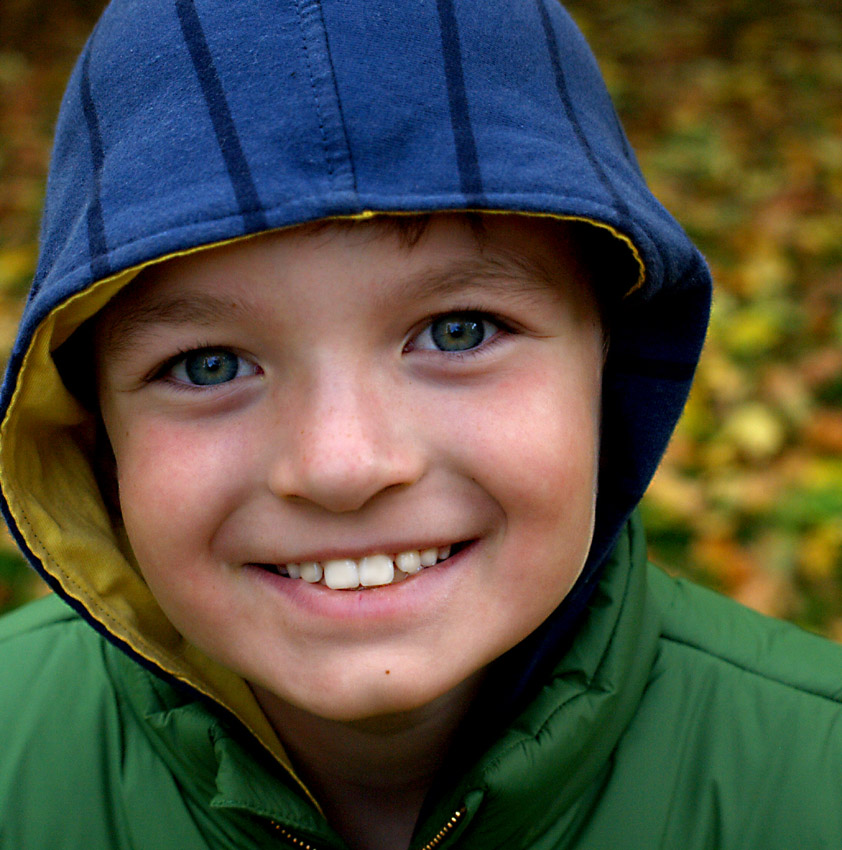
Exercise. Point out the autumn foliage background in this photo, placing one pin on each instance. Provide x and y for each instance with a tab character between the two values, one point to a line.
735	109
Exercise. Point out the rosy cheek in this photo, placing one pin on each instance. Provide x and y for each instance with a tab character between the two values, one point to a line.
153	485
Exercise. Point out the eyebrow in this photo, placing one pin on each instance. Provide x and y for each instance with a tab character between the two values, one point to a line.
503	274
198	308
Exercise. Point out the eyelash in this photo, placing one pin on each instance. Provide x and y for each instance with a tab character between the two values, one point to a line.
502	329
163	372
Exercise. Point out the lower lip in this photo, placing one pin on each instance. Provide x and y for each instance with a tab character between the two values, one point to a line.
391	601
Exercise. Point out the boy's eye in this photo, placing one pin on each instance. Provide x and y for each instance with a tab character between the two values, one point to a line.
208	367
456	332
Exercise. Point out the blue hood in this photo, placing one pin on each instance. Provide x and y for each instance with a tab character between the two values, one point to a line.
191	122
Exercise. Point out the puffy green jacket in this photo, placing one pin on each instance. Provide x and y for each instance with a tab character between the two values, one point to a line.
677	720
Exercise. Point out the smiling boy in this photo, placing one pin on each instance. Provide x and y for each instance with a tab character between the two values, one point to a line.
340	426
358	418
355	341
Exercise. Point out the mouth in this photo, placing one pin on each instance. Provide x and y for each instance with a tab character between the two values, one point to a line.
375	570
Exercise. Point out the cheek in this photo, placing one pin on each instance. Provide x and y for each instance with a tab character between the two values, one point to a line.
174	484
536	437
534	452
174	495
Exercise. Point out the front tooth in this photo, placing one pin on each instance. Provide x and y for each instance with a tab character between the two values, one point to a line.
376	570
311	571
429	557
341	574
409	562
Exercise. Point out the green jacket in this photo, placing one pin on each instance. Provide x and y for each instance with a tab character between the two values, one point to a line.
677	720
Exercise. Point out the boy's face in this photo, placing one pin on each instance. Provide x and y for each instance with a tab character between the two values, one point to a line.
311	396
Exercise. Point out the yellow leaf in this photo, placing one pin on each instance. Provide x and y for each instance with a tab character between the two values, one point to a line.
755	430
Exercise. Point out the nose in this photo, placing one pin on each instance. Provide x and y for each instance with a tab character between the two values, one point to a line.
344	444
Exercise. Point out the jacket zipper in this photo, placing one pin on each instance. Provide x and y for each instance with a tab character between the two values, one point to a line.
290	838
446	829
437	839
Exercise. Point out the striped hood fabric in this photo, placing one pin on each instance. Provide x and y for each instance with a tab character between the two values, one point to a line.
187	123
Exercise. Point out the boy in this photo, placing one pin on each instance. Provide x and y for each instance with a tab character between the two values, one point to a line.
355	341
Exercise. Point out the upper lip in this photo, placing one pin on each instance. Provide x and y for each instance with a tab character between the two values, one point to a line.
357	552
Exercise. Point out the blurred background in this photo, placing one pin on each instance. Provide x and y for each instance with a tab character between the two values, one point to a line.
735	109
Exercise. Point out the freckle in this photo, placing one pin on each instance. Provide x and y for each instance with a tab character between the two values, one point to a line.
388	671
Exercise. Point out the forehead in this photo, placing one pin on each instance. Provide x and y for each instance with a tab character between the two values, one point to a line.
396	260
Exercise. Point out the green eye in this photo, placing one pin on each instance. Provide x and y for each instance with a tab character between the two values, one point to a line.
457	332
208	367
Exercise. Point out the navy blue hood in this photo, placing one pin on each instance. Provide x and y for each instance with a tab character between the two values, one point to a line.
191	122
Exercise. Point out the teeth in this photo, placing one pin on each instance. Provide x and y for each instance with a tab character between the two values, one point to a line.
408	562
370	571
429	557
342	574
311	571
376	570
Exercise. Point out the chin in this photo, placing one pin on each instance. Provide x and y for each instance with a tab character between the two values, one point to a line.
386	695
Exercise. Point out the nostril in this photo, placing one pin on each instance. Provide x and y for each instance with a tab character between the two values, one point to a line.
344	446
342	485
